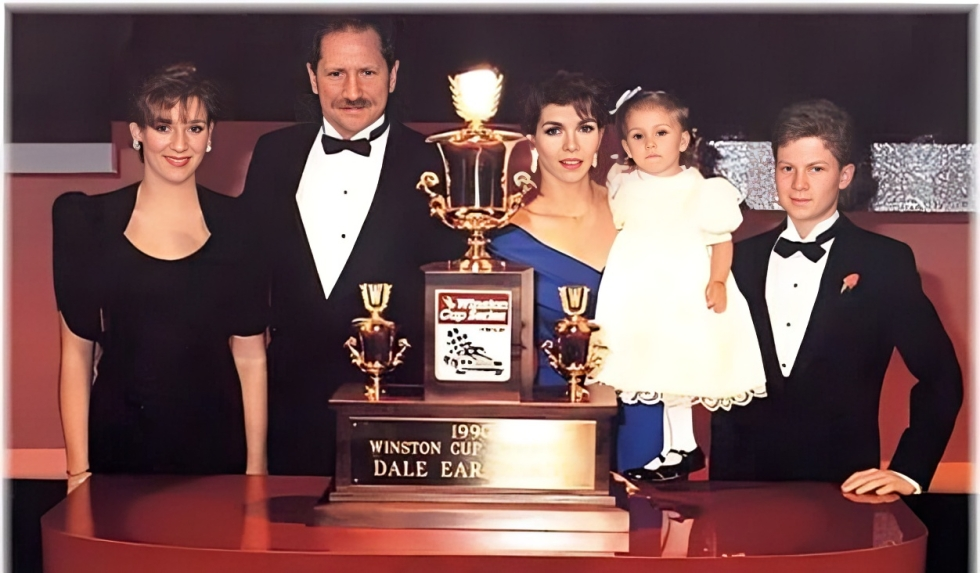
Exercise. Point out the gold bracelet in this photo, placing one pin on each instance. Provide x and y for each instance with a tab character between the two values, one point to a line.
71	475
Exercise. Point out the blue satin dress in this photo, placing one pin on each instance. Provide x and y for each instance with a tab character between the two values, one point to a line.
640	435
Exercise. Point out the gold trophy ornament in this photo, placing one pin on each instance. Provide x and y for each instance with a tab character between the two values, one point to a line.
379	352
476	196
573	353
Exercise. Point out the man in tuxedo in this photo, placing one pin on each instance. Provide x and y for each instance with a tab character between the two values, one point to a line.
337	206
830	301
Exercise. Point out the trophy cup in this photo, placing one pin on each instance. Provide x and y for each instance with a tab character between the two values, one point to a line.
476	196
379	352
479	310
573	353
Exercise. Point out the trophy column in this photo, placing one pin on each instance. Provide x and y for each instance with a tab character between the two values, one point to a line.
481	328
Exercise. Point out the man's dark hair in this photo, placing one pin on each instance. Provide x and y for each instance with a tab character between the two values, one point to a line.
383	27
816	118
584	94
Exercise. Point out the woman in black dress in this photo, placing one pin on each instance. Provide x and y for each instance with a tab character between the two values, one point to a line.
163	311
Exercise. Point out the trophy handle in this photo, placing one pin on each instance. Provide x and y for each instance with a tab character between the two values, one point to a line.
553	359
515	199
437	203
356	358
403	345
597	351
523	180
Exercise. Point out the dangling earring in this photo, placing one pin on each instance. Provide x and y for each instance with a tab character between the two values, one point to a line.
595	159
136	144
208	148
534	160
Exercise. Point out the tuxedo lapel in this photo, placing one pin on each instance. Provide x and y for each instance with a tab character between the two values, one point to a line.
839	264
296	165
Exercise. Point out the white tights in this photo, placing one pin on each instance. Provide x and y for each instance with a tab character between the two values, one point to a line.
678	435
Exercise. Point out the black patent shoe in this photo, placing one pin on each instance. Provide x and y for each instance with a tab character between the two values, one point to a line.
690	461
659	475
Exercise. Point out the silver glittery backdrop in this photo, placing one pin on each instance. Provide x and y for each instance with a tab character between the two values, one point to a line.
750	168
923	177
928	177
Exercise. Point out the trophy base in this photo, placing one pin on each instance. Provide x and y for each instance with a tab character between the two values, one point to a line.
545	451
478	516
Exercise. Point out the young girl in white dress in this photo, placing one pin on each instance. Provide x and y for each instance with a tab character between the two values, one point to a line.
676	327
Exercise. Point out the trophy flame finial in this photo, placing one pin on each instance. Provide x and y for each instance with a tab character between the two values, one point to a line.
476	95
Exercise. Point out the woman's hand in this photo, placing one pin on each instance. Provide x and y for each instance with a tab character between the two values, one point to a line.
77	479
250	361
74	385
716	296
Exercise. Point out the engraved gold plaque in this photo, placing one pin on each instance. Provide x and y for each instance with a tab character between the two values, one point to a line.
498	453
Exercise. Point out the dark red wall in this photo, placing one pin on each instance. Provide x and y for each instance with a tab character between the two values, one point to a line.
941	243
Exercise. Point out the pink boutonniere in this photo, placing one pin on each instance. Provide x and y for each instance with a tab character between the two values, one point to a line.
850	281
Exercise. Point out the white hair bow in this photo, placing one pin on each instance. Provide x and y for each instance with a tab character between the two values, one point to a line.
624	98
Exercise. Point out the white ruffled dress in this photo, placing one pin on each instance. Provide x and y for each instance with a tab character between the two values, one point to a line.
663	343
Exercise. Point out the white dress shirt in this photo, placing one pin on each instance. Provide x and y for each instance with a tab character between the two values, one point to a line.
334	196
791	290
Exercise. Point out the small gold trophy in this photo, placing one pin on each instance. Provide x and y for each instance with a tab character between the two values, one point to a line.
477	197
573	353
379	352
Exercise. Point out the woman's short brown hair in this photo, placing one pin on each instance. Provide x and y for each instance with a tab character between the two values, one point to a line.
584	94
173	86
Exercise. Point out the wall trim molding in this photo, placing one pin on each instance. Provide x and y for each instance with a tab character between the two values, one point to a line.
44	158
39	463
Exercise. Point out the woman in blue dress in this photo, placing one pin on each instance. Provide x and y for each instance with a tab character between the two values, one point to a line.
565	230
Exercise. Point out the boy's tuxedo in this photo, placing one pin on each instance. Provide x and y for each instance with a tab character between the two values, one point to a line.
821	421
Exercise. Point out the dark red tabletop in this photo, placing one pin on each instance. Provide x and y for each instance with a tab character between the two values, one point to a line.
244	524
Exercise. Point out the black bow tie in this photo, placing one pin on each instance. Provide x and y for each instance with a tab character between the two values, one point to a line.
333	145
813	251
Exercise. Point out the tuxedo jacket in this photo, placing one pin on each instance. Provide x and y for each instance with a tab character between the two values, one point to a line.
306	356
821	422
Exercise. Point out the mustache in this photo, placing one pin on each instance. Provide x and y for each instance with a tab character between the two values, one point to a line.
357	103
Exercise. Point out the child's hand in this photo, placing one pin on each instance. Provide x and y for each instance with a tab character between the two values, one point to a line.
717	296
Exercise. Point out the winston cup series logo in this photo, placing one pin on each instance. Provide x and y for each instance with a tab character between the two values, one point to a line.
472	335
